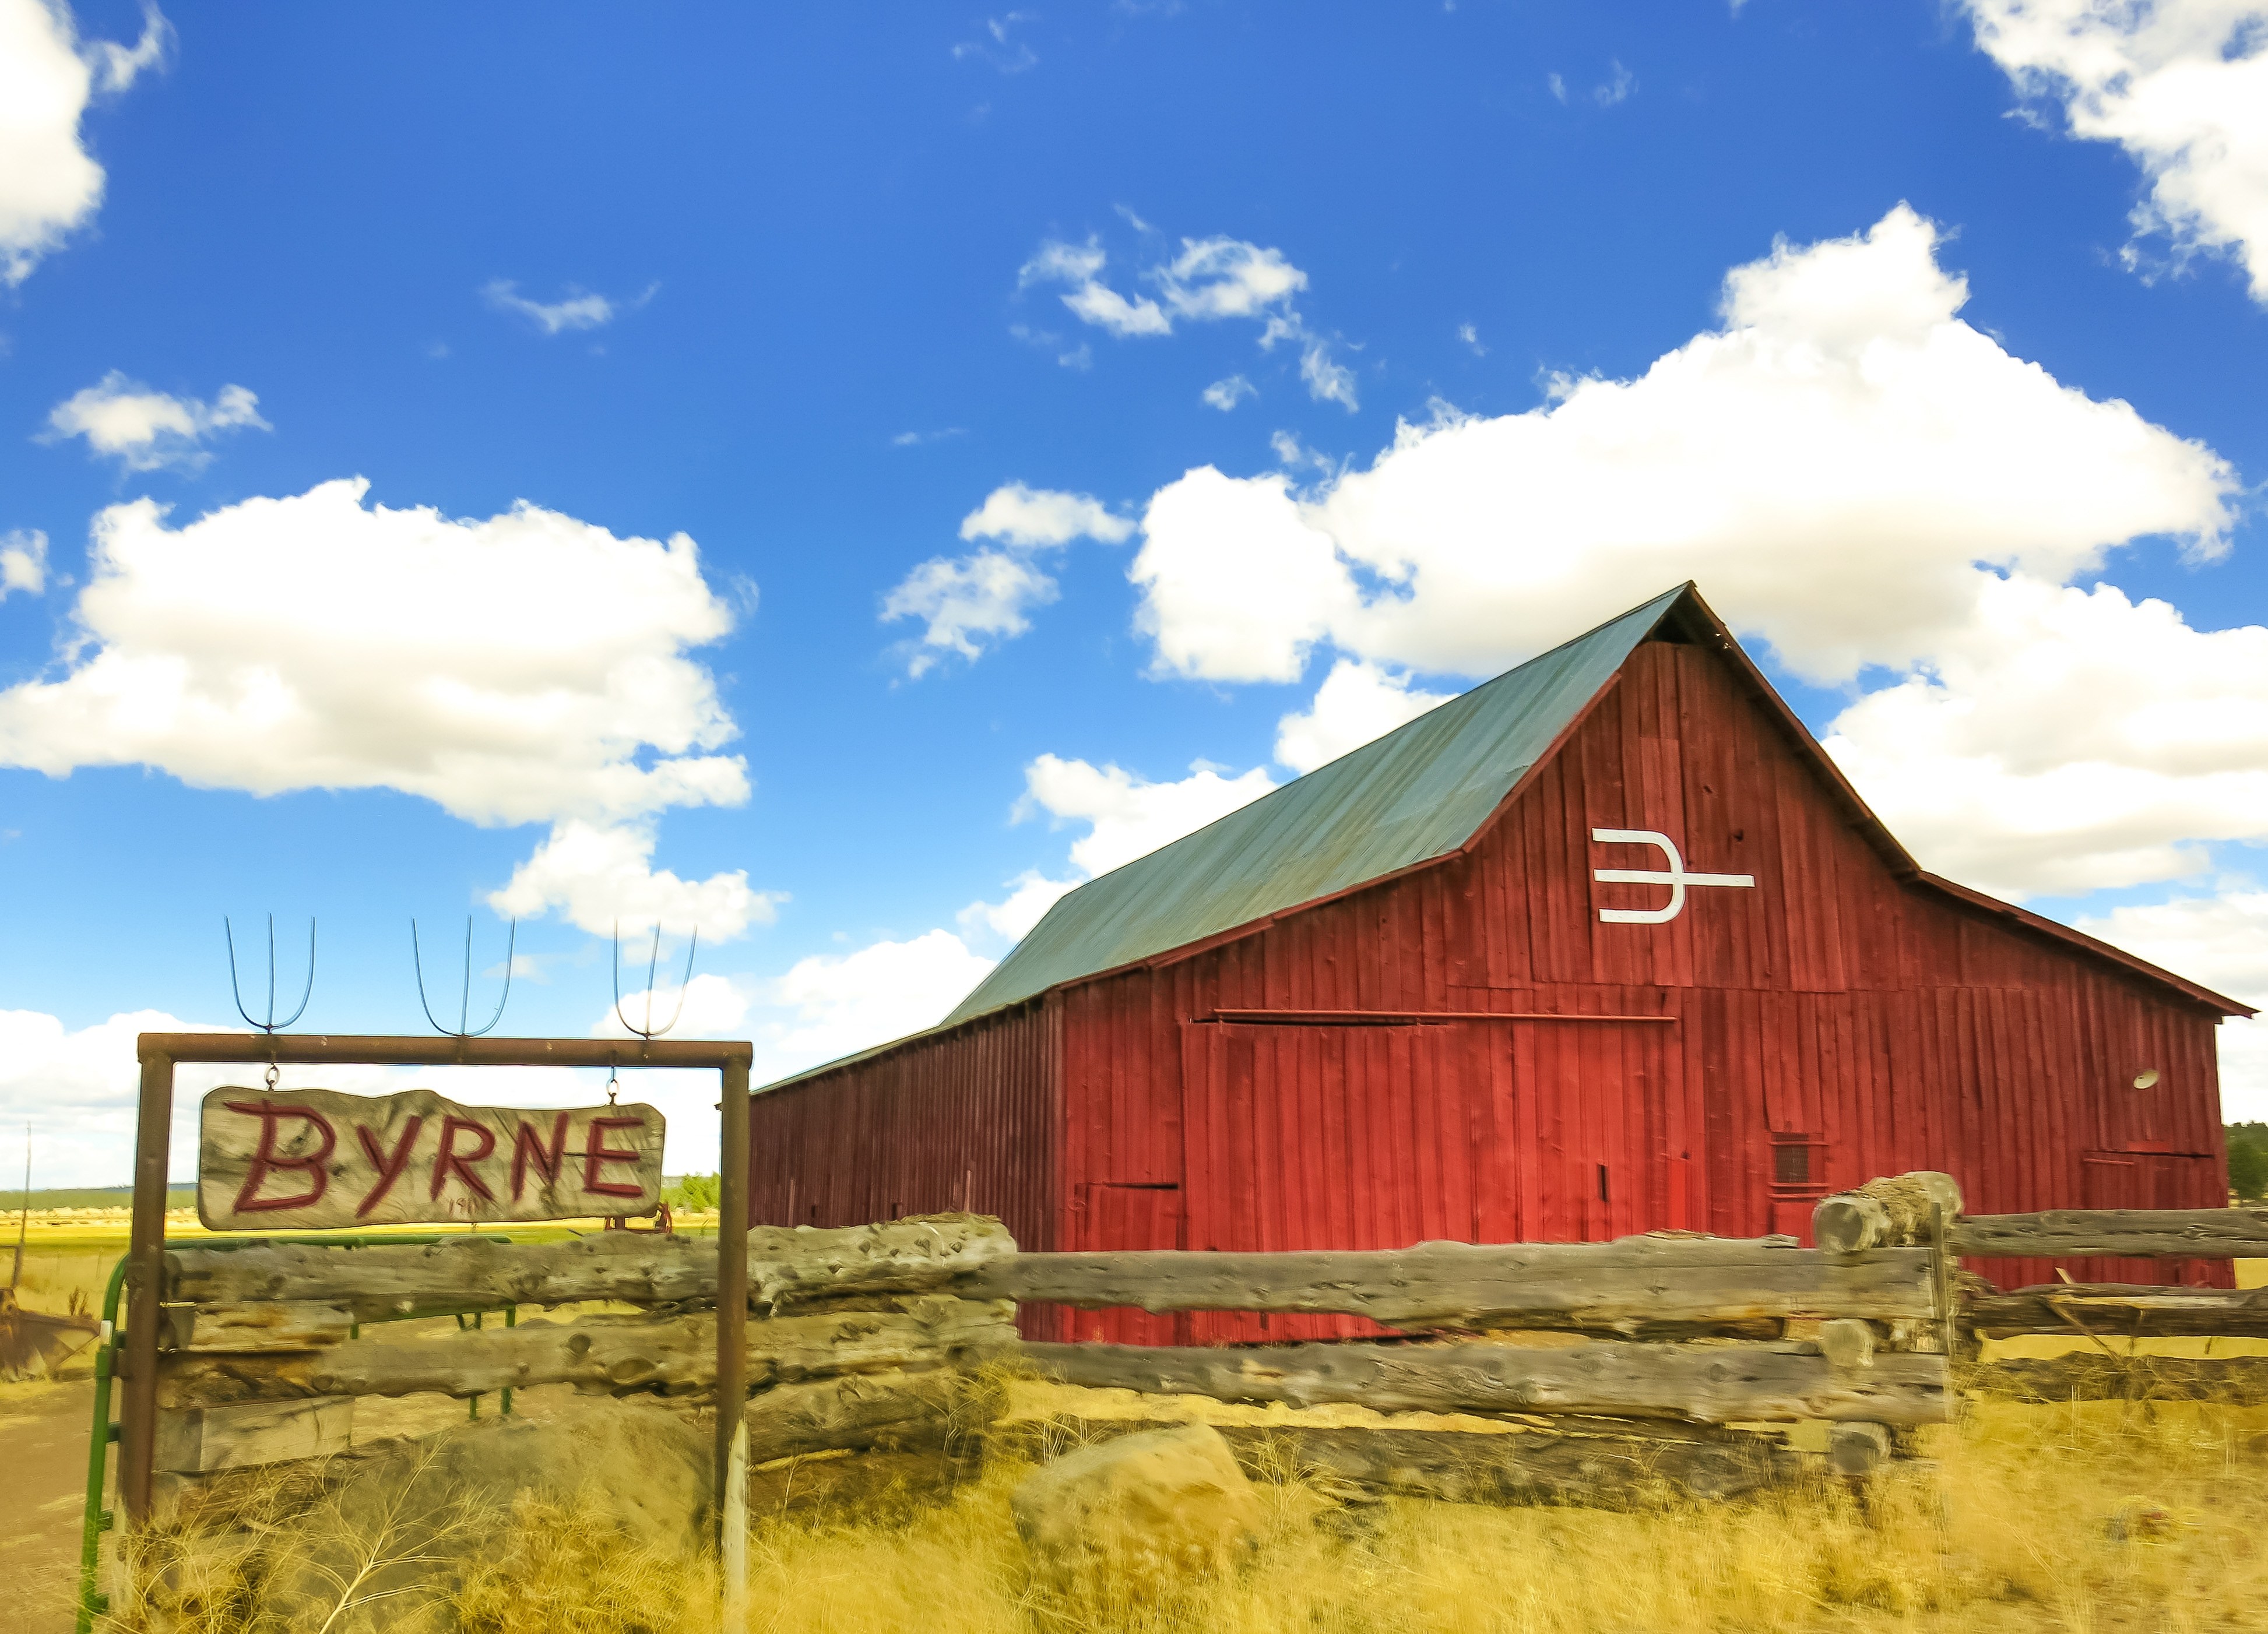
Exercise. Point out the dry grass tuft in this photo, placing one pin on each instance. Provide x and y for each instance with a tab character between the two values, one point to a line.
567	1567
298	1552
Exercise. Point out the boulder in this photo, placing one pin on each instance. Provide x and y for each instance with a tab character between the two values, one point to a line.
1131	1518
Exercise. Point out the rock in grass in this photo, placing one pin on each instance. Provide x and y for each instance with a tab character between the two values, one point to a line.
1134	1517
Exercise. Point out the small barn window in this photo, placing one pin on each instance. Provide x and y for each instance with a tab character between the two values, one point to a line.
1604	1195
1791	1165
1799	1165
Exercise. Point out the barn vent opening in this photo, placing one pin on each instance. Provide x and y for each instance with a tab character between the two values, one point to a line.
1603	1193
1790	1164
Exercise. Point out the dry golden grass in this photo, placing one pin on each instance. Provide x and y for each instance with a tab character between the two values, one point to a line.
2095	1519
563	1566
2089	1520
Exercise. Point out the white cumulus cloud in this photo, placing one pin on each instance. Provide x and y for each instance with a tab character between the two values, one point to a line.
829	1005
1224	395
1128	816
527	667
1833	464
1029	517
1237	581
78	1089
2182	85
1125	816
145	429
2066	740
602	876
49	184
1030	895
23	562
966	603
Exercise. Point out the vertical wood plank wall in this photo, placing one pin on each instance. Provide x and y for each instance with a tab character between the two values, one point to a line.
965	1122
1831	1024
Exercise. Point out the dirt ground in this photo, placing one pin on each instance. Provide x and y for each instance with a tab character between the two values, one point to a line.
43	1430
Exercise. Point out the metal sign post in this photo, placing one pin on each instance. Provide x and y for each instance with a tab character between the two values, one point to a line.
161	1052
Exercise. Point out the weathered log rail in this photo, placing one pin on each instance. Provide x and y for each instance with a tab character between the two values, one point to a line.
1658	1282
789	1269
1655	1286
1925	1210
2121	1310
1703	1384
604	1354
2115	1234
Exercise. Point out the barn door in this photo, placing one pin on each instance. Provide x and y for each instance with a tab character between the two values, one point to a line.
1348	1137
1322	1136
1582	1144
1327	1136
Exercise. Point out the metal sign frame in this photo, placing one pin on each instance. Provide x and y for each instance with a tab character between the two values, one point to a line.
161	1052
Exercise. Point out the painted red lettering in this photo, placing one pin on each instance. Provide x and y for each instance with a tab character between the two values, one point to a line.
265	1158
447	1160
528	1146
389	1169
595	1151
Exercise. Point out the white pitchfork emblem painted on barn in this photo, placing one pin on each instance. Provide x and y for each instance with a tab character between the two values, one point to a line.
1675	876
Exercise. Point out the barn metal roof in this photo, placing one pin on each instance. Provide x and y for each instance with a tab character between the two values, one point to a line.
1418	793
1414	796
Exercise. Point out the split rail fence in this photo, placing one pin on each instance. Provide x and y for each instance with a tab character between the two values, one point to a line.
1663	1358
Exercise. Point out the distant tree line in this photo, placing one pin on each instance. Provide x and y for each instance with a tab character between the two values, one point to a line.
2248	1160
691	1192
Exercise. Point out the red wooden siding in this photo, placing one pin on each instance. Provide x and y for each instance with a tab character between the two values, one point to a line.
965	1122
1832	1023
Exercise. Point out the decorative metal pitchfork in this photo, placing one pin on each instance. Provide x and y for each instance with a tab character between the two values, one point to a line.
271	1025
650	1032
464	1027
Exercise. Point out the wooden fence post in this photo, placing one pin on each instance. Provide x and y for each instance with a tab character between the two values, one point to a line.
733	1339
145	1255
733	1557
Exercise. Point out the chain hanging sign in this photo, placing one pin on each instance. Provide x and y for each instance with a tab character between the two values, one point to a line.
271	1159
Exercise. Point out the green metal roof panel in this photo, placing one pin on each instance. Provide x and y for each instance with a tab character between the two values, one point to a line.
1420	791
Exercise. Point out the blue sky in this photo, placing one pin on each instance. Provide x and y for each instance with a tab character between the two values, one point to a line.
900	309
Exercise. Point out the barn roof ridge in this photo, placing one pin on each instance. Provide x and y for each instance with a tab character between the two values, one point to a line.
1404	808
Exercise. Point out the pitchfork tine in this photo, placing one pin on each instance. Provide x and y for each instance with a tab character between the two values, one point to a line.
464	1029
236	987
650	1032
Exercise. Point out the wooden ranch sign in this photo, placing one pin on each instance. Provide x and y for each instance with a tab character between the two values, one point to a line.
315	1158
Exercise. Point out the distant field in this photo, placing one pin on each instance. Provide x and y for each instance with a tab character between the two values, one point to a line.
93	1197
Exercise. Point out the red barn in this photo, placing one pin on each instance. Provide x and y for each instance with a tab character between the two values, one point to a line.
1604	945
